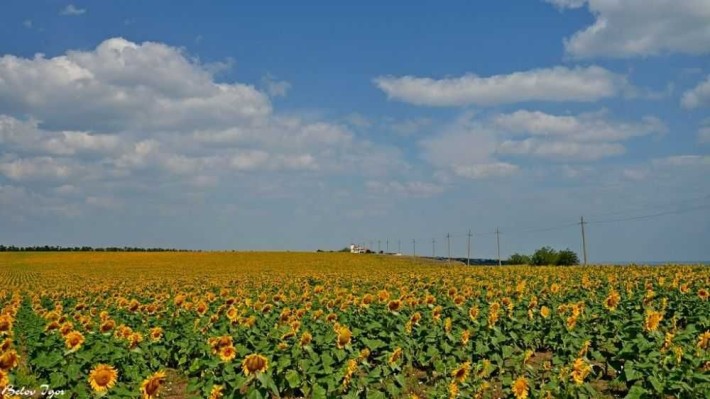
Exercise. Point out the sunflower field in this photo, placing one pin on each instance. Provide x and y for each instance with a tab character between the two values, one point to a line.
334	325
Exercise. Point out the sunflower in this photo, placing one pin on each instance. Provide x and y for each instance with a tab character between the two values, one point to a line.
156	333
520	388
364	354
134	339
545	311
453	390
704	340
350	369
473	313
9	360
612	301
254	363
394	305
4	379
306	338
653	319
461	373
344	337
5	345
51	326
102	378
73	340
5	324
465	336
151	385
227	353
703	294
395	356
216	392
66	328
580	370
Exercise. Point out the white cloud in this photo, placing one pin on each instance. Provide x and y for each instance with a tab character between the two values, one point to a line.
561	150
699	96
631	28
72	10
567	3
704	135
583	127
123	85
683	161
275	88
485	170
145	115
551	84
482	146
407	188
27	23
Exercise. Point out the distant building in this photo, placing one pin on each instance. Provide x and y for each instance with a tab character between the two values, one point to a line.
357	249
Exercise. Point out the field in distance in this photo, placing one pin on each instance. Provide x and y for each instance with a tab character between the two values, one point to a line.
332	325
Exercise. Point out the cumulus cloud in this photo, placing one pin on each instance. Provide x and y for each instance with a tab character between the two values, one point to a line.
140	114
488	146
634	28
699	96
551	84
583	127
122	85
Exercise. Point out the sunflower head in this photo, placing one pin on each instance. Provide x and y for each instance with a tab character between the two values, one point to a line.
254	363
9	360
102	378
344	337
150	387
73	340
520	388
227	353
653	319
306	338
395	356
217	392
461	373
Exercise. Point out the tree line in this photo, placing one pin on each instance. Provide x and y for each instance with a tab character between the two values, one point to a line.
545	256
55	248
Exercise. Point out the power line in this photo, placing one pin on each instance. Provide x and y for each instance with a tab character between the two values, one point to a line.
650	216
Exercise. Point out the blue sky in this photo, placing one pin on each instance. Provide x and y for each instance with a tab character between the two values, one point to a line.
301	126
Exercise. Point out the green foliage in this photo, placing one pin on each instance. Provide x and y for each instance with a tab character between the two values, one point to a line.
567	257
544	256
519	259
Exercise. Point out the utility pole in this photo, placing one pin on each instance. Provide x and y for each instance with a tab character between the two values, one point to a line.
414	247
433	247
468	249
378	246
498	242
399	246
371	246
584	241
448	246
387	245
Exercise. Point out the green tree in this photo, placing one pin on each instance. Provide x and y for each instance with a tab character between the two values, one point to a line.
567	257
544	256
518	259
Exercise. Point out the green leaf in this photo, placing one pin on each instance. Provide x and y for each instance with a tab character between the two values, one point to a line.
319	392
636	392
293	379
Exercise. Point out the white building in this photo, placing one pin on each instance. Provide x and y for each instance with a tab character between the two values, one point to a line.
357	249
